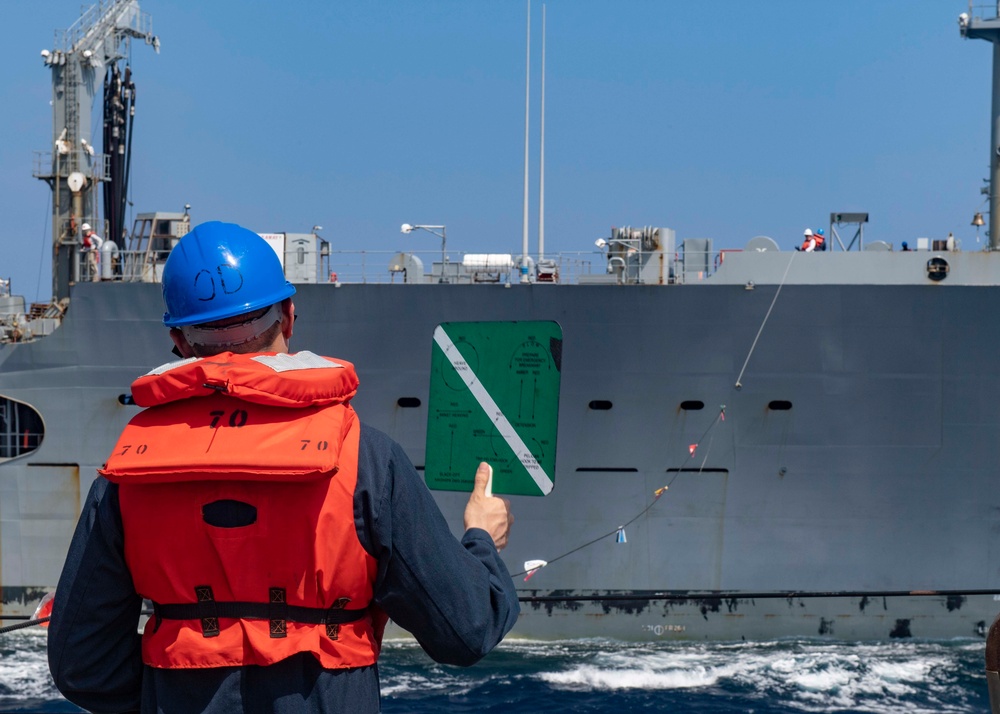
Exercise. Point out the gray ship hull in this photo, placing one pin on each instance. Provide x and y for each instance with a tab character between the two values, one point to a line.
847	492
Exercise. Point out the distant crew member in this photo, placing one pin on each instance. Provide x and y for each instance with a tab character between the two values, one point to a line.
808	241
820	237
906	247
92	247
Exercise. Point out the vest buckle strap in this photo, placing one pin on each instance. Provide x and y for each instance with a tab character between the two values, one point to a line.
279	610
277	613
157	617
207	612
332	626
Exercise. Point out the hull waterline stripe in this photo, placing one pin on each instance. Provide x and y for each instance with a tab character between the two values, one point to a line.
744	595
524	455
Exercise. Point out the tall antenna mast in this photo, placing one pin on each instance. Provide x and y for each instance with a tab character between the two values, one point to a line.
527	84
989	29
541	175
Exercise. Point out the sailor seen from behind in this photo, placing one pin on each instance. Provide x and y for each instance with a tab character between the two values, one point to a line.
273	531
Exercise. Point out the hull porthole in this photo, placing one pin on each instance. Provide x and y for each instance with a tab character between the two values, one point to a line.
21	429
937	268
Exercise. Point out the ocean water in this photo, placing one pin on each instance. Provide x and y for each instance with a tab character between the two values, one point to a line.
605	676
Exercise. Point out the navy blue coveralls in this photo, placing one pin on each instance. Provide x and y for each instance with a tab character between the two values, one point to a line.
457	598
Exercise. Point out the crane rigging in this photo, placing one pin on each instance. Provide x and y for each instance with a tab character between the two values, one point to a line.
86	56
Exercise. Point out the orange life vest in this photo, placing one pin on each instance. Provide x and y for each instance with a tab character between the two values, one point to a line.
272	442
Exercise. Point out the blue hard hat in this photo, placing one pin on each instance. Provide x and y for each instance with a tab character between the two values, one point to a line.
220	270
819	232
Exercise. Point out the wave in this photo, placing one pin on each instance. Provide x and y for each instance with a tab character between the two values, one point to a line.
618	677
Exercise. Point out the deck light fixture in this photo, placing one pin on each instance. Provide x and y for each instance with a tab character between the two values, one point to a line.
407	228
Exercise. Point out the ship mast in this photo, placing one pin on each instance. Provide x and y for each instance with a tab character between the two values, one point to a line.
541	153
527	101
979	28
73	169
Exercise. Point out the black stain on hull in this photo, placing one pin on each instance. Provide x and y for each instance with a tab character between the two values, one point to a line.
626	607
866	601
21	595
902	629
709	604
555	600
955	602
666	603
793	599
705	605
825	626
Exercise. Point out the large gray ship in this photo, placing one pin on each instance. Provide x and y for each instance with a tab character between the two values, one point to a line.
830	470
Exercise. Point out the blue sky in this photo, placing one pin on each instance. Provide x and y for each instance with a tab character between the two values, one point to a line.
726	120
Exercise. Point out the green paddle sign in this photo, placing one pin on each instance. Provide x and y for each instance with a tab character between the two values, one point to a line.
494	397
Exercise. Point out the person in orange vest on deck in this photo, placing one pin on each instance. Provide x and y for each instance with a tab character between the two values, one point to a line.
92	249
272	530
819	236
808	241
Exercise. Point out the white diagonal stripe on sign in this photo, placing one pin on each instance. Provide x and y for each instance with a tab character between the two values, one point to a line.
513	439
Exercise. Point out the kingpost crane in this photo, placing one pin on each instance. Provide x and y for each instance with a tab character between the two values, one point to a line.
95	43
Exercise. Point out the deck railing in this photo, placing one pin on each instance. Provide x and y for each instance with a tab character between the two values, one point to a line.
386	266
360	266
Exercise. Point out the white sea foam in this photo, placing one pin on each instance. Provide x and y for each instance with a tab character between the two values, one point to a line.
810	677
403	683
911	671
414	673
24	668
596	678
875	678
825	680
805	676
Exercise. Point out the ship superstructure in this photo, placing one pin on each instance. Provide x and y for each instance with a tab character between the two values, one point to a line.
824	422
